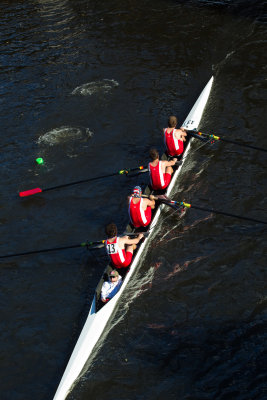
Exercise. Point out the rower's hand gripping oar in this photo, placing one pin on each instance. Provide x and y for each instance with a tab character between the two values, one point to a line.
125	171
207	136
134	234
187	205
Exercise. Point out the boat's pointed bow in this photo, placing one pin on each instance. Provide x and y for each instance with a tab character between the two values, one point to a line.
193	119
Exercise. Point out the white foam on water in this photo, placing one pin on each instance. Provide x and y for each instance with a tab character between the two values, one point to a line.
65	134
90	88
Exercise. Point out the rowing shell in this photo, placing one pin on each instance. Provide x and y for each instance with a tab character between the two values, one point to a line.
98	317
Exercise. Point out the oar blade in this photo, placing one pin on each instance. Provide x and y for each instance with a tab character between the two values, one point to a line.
30	192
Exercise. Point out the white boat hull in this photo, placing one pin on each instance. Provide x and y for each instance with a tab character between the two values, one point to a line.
96	321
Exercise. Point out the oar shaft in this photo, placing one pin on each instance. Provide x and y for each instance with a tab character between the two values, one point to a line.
206	136
228	214
242	144
132	234
162	200
78	182
84	244
172	203
197	135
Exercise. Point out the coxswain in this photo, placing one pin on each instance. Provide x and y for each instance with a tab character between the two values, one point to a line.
120	248
174	138
160	171
140	209
111	287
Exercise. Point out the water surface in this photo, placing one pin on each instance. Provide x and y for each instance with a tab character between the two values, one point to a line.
88	86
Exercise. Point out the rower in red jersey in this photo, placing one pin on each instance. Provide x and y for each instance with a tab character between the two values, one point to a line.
160	171
140	208
120	248
174	138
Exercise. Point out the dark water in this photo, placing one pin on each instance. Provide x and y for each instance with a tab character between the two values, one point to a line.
88	85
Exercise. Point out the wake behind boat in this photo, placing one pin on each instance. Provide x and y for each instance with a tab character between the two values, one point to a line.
99	315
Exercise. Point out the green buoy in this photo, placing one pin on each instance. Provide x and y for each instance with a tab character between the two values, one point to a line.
39	161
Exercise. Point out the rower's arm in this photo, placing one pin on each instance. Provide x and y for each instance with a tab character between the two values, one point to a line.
170	163
150	203
127	240
180	134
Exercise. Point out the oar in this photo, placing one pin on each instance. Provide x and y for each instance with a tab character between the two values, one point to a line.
187	205
201	135
87	244
133	234
39	190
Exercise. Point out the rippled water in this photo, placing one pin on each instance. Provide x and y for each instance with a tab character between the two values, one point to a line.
88	86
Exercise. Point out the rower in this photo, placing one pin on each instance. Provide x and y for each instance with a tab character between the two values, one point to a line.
160	171
140	209
174	138
120	248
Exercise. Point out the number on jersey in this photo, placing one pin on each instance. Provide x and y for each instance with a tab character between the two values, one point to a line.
111	248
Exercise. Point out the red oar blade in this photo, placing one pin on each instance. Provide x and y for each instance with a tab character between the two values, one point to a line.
30	192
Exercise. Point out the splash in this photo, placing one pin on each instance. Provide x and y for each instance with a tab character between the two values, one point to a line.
88	89
65	134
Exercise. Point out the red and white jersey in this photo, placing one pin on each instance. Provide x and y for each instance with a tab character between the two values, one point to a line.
139	216
174	146
116	254
157	177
